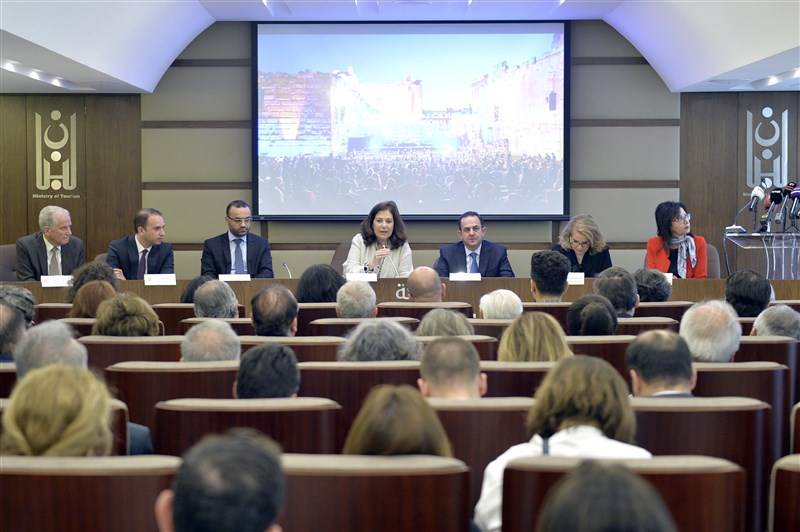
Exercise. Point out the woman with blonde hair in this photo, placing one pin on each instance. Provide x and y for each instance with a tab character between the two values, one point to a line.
88	299
443	322
126	315
533	337
396	420
584	245
581	410
58	411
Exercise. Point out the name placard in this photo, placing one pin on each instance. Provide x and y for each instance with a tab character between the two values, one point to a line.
234	277
160	279
56	281
463	276
576	278
366	277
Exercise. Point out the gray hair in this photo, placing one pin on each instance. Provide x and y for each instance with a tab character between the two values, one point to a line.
215	299
712	330
379	339
652	285
500	304
52	342
778	320
355	299
21	299
444	322
211	340
47	216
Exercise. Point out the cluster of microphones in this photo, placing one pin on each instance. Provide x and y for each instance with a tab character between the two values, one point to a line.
782	204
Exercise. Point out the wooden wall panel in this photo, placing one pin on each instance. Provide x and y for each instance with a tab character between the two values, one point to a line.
13	176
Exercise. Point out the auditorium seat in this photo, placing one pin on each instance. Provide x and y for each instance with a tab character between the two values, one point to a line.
794	429
712	259
637	325
480	430
172	314
486	345
557	310
308	312
83	493
416	309
301	425
83	326
8	263
143	384
490	327
105	351
610	348
343	326
794	303
340	255
101	258
391	493
747	325
8	377
50	311
514	379
780	349
242	326
663	309
306	348
785	495
701	492
735	428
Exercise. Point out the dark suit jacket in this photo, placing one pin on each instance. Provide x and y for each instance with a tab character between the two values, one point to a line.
32	260
493	260
216	258
124	254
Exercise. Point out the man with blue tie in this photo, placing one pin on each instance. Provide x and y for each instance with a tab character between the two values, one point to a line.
237	251
473	254
145	252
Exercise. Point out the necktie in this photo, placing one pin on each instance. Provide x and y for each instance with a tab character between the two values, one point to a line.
473	267
53	269
238	260
142	265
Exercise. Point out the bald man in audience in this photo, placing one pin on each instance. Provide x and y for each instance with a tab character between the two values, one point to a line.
274	311
712	330
356	299
777	320
210	341
215	299
451	369
425	286
500	305
660	364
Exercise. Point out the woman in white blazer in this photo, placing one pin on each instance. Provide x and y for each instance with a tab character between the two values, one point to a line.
381	246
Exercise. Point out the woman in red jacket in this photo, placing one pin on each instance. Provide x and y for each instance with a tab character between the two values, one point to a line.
676	250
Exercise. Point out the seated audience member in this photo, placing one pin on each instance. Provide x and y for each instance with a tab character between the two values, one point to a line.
425	286
396	420
473	254
584	245
712	330
91	271
379	340
591	315
652	286
274	311
210	341
451	369
215	299
191	287
660	364
12	329
21	299
549	270
58	411
533	337
125	315
618	286
227	483
267	371
444	322
500	305
89	297
356	299
598	497
319	284
748	292
777	320
581	409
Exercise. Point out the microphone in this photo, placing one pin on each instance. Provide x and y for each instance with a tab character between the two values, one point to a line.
774	199
789	188
287	269
756	196
396	271
794	212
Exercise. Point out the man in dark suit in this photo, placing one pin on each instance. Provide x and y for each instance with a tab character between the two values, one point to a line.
473	254
237	250
660	364
51	251
145	252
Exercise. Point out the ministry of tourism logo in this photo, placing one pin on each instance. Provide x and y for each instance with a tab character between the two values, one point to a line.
56	153
768	149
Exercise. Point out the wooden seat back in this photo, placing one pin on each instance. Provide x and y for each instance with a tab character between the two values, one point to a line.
514	379
779	349
106	351
8	378
414	309
663	309
308	312
50	311
557	310
83	326
242	326
610	348
485	345
306	348
637	325
794	430
343	326
490	327
173	313
784	495
747	325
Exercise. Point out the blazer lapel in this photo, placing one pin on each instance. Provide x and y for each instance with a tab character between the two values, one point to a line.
133	255
226	253
41	254
484	259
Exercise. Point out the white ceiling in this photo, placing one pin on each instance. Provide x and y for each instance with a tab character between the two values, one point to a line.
121	46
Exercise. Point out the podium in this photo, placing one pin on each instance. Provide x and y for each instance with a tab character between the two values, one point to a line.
781	250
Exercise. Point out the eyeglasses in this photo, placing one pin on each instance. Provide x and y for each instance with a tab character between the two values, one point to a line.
579	244
240	220
683	219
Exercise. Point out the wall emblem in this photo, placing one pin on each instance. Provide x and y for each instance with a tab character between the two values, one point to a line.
767	149
56	153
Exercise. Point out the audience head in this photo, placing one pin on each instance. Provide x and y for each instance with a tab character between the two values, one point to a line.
618	286
210	340
591	315
319	284
451	369
660	361
191	287
91	271
268	371
356	299
471	230
778	320
500	305
89	297
444	322
599	497
549	270
58	411
652	285
712	330
226	483
748	292
533	337
12	328
424	285
583	390
379	339
582	228
666	213
21	299
384	215
274	311
215	299
396	420
125	315
52	342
